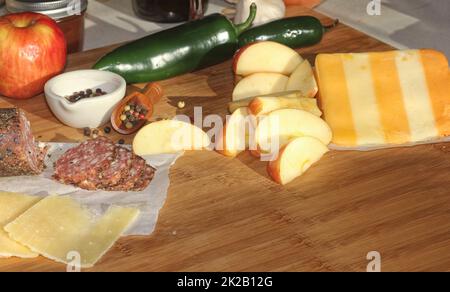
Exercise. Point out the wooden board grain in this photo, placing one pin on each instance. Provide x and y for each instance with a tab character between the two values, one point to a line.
226	214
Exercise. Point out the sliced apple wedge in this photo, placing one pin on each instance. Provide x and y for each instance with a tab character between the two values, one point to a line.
281	126
303	80
255	153
169	136
236	133
295	159
266	56
234	105
259	84
266	104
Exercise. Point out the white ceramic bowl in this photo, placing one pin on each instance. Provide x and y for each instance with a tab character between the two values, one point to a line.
91	112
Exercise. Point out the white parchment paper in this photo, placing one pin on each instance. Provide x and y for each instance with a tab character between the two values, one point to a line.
149	201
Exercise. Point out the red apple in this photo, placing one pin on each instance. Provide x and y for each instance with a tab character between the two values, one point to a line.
32	50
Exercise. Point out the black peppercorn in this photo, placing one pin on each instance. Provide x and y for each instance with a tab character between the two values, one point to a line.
76	96
87	132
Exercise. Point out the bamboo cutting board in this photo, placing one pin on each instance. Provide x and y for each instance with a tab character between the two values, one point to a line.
226	214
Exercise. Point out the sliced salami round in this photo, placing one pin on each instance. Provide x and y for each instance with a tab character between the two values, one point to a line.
81	164
100	164
135	173
118	170
146	178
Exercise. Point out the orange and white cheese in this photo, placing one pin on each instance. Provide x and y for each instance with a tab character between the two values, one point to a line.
385	98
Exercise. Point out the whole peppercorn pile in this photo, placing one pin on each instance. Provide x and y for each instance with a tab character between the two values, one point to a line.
88	93
132	114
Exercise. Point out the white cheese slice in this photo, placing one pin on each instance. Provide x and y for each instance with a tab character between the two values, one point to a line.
11	206
57	227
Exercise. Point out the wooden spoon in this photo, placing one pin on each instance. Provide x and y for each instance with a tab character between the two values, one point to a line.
151	95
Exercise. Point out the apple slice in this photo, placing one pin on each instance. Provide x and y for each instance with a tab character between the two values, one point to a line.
295	159
236	133
255	153
234	105
280	126
266	56
303	80
264	105
169	136
259	84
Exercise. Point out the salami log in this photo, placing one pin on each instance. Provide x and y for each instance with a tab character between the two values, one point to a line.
20	154
100	164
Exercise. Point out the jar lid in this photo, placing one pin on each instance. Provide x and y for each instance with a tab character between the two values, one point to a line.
56	9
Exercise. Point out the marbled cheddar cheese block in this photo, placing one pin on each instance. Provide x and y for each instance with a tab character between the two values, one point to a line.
385	98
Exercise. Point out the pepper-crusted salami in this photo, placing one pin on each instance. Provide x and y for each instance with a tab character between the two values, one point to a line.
119	168
139	176
82	164
100	164
20	154
145	179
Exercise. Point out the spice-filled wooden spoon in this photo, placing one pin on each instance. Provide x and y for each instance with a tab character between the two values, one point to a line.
136	109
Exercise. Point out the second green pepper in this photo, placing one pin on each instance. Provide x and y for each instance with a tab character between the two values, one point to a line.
294	32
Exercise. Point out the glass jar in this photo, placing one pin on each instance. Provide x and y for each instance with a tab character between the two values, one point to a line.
170	10
69	14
